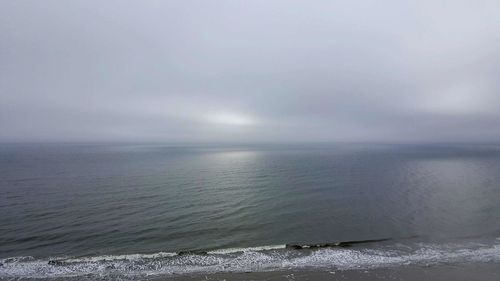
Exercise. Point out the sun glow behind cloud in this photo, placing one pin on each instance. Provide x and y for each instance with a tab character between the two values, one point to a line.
228	118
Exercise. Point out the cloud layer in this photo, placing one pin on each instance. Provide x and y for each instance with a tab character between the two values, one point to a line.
250	71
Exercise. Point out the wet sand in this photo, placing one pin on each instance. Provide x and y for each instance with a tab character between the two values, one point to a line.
456	272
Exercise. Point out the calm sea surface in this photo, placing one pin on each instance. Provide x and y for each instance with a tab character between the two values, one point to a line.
67	210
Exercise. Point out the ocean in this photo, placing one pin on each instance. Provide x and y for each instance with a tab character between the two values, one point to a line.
132	211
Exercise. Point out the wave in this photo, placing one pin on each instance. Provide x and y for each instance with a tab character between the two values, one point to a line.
262	258
247	249
343	244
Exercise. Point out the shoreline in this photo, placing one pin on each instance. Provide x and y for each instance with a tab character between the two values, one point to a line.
445	272
417	261
488	271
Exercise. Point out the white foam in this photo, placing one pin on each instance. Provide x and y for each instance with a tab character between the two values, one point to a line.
264	258
130	257
428	254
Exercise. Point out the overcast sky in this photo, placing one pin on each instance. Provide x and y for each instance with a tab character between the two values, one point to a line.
250	71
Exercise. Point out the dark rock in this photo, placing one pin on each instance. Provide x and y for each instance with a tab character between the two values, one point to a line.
343	244
184	253
56	262
292	246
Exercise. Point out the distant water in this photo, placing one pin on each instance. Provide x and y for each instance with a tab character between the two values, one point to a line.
128	210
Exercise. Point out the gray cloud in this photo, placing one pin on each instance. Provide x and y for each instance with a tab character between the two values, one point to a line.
392	71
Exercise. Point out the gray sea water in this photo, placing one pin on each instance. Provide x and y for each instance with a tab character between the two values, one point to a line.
126	210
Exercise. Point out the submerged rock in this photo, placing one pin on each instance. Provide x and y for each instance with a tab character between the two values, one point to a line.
184	253
55	262
343	244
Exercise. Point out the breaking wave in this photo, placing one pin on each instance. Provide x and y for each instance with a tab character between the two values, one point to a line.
337	256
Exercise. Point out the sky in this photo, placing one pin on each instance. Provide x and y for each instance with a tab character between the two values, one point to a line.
250	71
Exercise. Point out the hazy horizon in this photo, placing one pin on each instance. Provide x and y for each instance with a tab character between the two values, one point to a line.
250	72
232	139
